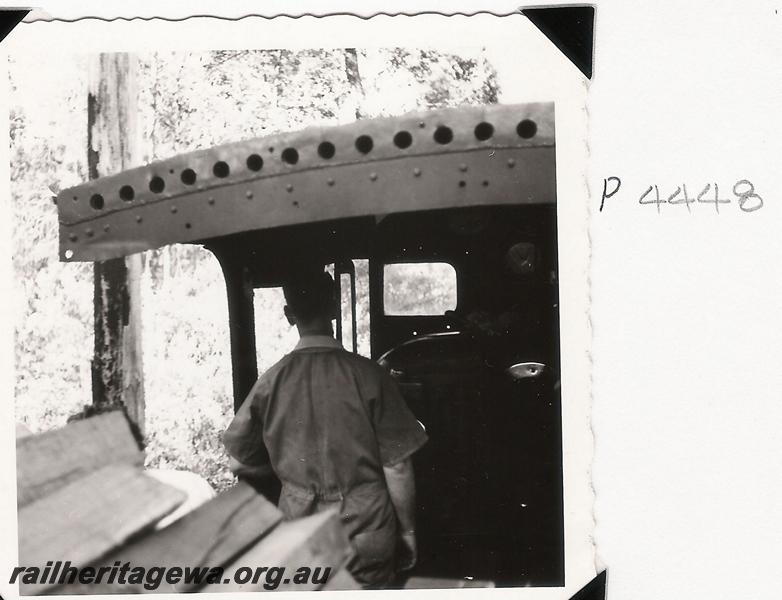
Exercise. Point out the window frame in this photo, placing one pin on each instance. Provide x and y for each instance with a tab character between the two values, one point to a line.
456	295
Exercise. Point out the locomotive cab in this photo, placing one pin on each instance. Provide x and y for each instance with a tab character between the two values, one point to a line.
443	243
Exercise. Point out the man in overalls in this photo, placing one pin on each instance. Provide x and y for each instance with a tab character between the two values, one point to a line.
337	432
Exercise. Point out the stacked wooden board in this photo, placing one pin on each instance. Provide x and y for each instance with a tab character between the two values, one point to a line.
84	499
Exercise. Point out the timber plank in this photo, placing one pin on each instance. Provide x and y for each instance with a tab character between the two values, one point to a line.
89	517
318	541
340	581
210	536
48	461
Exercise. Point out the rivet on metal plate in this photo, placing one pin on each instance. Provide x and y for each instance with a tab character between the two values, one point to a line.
417	172
289	187
249	194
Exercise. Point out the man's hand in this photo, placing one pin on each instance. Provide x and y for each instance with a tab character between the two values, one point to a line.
252	472
409	551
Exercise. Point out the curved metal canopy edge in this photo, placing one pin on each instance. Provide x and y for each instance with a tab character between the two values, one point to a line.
468	156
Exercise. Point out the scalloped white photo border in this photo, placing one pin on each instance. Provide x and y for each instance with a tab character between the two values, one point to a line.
529	68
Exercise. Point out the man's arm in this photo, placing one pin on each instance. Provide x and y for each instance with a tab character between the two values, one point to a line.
401	487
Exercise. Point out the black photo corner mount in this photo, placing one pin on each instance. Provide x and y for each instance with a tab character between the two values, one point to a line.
10	18
571	29
594	590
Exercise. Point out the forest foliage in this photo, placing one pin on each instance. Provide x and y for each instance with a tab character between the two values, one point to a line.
186	101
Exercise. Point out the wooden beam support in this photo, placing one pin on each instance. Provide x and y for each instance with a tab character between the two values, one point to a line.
117	373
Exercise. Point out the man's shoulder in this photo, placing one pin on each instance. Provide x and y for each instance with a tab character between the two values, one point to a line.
366	366
268	377
367	369
357	362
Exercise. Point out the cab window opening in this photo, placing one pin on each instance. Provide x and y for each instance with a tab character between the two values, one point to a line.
419	289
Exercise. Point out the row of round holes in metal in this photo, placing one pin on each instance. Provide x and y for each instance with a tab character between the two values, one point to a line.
416	172
326	150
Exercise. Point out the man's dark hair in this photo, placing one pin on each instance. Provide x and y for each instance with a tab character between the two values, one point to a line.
310	293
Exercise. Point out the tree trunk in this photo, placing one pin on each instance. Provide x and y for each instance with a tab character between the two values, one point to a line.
117	374
354	78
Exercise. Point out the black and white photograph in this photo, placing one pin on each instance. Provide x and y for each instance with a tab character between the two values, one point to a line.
297	306
419	299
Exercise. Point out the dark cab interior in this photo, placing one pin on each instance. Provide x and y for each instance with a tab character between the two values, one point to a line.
472	337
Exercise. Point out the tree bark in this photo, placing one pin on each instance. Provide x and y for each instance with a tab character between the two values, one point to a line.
117	373
354	79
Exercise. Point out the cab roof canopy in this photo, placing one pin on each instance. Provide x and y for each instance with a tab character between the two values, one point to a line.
464	157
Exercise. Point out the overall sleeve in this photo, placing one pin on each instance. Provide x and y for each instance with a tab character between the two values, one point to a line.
244	437
399	434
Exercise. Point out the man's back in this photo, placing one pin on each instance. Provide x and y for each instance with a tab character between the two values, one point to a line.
330	421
